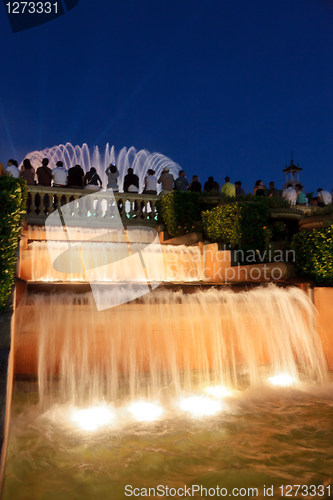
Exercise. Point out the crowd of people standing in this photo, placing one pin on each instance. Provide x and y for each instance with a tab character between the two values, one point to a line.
76	178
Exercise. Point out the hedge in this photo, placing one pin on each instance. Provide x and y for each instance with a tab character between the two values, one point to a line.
13	195
239	225
180	212
314	254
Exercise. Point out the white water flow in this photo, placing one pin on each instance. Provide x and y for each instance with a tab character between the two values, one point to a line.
181	263
168	343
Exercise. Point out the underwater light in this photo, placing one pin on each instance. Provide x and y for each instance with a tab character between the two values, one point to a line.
90	419
145	411
218	392
283	379
200	406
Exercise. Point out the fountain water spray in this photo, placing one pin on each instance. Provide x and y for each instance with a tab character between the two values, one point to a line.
140	160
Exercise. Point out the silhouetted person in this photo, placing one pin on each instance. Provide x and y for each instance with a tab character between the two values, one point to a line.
75	177
301	196
28	173
113	174
167	180
131	182
44	173
181	183
12	169
259	189
239	189
211	185
195	186
273	192
92	180
324	197
228	189
290	194
150	182
59	175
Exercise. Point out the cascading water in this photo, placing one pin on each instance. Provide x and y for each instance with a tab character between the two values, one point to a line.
168	339
140	161
170	392
181	263
209	391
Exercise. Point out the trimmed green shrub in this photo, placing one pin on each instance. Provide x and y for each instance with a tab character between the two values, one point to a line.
13	195
238	225
180	212
314	254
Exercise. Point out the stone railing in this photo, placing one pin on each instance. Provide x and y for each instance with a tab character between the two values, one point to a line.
134	208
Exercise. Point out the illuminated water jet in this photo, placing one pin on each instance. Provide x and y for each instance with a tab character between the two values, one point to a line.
140	161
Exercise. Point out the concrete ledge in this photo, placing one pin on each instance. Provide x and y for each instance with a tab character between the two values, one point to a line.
186	239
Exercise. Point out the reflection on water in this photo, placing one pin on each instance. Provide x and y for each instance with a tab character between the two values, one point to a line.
272	437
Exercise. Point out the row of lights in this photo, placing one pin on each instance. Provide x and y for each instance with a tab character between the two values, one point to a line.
90	419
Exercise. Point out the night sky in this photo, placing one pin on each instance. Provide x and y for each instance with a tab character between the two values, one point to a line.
222	87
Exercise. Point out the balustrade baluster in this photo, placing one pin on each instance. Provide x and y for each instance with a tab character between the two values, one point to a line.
32	208
75	207
65	208
42	202
153	210
98	209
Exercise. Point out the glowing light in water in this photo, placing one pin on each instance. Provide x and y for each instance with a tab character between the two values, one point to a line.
283	379
218	391
200	406
92	418
146	411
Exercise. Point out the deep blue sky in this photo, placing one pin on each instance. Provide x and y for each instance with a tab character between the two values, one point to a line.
222	87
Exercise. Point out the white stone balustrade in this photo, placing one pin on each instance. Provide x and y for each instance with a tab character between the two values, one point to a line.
134	208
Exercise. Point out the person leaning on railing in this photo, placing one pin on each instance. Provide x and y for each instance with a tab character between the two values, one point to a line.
211	185
113	174
131	182
195	186
44	176
75	177
228	189
59	175
93	180
181	183
12	169
150	182
167	180
28	172
259	188
324	197
301	196
44	173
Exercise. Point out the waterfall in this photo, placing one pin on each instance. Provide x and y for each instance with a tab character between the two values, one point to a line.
166	342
